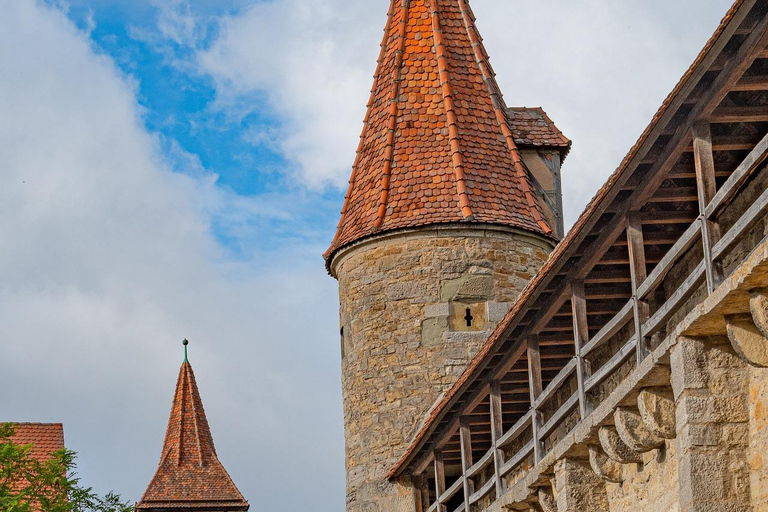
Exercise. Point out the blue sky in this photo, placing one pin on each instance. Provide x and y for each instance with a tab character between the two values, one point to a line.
175	169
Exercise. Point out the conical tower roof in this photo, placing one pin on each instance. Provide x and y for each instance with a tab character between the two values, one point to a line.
436	145
190	476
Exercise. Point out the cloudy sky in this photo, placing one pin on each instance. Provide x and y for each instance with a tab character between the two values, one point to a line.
174	168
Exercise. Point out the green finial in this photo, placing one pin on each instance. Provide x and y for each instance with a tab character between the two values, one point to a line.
185	343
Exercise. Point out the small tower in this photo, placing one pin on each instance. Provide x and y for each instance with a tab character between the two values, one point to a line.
190	477
452	206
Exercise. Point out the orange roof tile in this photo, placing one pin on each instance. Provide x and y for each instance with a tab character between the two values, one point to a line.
190	475
436	146
45	438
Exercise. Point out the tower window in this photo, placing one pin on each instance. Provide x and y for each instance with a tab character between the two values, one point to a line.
468	317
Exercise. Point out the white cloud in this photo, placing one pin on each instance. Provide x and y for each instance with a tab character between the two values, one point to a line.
600	69
107	260
315	59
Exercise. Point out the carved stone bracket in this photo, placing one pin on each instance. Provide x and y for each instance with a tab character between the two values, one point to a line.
758	306
604	467
547	499
747	340
657	409
615	447
633	431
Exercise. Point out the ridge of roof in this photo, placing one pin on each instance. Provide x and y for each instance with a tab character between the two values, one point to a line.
190	474
436	146
557	254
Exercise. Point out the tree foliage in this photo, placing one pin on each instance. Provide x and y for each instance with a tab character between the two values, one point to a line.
31	485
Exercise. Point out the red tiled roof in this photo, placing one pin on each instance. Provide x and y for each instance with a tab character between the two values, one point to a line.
531	126
556	257
45	438
436	146
190	475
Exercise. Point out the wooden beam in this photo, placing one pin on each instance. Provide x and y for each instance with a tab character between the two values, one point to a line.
751	83
466	459
535	387
745	114
497	430
581	338
439	479
638	272
421	492
706	188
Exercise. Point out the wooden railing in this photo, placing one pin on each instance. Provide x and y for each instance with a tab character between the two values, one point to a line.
705	230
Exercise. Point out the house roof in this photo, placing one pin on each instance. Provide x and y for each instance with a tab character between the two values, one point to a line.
190	475
45	438
565	254
436	146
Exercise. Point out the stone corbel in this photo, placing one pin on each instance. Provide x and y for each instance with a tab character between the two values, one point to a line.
615	447
746	338
758	306
604	467
657	409
633	431
547	499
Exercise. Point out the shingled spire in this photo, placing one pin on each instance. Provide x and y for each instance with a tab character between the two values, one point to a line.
436	145
190	476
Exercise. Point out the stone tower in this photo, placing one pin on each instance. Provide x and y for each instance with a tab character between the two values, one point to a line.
453	205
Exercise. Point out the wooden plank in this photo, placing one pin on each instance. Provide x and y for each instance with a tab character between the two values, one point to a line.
752	83
535	387
451	491
482	463
754	213
737	179
421	493
580	338
682	293
706	187
613	363
613	326
746	114
563	411
440	480
497	430
657	275
516	459
637	269
480	494
515	431
556	382
465	435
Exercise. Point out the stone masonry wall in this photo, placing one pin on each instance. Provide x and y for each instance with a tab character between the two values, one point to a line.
405	340
757	453
648	487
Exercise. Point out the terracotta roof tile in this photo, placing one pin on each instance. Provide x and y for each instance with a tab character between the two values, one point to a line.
532	127
436	145
190	475
45	438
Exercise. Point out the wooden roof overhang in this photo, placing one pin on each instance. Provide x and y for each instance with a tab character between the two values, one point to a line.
645	216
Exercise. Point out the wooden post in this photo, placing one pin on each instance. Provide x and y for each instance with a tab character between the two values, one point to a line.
580	338
439	479
706	187
421	486
535	386
638	272
497	429
465	436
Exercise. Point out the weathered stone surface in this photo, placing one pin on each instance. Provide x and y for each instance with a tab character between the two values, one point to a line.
615	447
604	467
657	409
632	430
400	354
578	488
758	306
747	340
547	500
712	427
